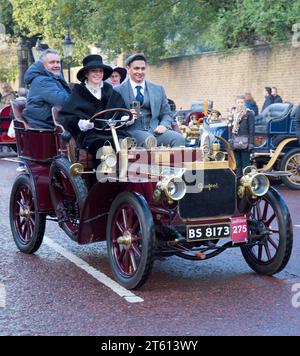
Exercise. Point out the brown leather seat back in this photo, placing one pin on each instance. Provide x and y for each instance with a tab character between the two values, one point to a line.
17	107
55	116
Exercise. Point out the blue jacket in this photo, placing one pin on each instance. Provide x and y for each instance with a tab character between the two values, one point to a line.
251	105
46	90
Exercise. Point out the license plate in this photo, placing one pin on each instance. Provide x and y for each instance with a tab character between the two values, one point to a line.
208	232
237	230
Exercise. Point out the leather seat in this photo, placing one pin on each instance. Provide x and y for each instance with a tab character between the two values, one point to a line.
76	155
274	112
17	108
198	105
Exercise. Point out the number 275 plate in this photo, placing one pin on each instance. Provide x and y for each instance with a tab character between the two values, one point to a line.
208	232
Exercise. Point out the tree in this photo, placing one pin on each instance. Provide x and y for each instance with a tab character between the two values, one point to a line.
160	28
247	22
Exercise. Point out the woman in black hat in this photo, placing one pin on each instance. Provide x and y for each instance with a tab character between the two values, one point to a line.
118	76
91	96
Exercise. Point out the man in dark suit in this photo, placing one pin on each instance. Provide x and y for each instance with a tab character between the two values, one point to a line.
268	98
155	117
276	98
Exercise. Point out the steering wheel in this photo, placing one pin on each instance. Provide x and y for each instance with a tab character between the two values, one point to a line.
112	121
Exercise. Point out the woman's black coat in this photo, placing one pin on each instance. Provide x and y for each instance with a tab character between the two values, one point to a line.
247	127
83	105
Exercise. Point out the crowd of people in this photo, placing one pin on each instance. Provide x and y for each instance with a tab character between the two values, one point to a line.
104	87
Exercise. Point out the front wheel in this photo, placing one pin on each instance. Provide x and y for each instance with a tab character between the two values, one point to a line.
271	254
27	224
68	194
291	163
130	239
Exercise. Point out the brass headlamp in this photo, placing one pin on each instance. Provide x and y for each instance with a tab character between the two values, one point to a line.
217	154
170	188
253	184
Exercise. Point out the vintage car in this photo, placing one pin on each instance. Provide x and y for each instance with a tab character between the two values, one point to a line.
146	203
5	121
194	115
276	143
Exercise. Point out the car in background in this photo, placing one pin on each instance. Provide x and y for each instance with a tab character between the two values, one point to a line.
5	120
276	143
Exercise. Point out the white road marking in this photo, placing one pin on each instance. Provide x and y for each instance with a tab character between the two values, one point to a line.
2	296
297	225
15	160
101	277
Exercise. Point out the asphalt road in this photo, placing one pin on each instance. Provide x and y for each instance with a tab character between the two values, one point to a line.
48	294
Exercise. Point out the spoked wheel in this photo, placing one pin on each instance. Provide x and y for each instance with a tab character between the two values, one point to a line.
27	224
130	239
271	254
68	194
291	163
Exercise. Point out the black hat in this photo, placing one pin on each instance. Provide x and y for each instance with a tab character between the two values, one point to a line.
135	57
122	72
93	61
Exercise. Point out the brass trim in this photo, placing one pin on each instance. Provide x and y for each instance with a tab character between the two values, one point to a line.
214	218
232	161
277	153
206	165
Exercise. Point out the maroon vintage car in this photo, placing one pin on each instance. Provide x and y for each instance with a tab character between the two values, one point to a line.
145	203
5	120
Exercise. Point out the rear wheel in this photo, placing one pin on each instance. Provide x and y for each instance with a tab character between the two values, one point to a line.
291	163
27	224
271	254
130	239
68	194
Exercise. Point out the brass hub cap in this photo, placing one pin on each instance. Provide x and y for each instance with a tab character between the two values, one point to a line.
25	213
125	240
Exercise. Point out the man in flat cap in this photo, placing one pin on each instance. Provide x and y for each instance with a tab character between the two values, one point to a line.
155	116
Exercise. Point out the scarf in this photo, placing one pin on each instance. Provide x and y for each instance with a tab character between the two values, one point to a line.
237	118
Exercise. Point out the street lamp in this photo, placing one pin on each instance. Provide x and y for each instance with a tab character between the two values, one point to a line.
37	49
68	49
22	54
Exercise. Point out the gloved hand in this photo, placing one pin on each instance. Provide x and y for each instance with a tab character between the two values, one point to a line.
85	125
130	122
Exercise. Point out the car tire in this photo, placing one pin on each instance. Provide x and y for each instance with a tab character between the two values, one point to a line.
68	194
272	255
27	224
131	262
291	162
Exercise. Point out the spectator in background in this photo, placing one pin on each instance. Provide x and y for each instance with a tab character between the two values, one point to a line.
251	103
8	94
243	129
118	76
276	97
268	98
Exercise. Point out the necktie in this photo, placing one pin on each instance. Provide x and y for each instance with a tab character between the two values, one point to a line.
139	96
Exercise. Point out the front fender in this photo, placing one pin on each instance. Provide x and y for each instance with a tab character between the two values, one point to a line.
277	153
